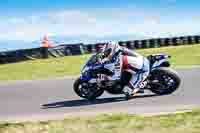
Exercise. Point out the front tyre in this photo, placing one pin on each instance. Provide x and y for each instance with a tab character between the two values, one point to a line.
164	81
86	90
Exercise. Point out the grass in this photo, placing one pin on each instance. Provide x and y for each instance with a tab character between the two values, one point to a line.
71	65
122	123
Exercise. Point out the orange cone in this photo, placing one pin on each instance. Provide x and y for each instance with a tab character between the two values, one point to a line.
46	43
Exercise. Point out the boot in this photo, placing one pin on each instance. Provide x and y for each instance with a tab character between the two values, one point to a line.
128	92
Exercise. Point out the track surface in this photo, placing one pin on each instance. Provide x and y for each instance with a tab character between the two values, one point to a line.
55	99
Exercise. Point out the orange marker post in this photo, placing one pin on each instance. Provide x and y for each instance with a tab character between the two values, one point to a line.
45	45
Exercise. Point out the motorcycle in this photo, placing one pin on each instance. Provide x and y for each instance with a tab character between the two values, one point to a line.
94	79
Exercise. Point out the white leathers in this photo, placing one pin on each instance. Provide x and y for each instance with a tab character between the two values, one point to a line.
132	62
139	68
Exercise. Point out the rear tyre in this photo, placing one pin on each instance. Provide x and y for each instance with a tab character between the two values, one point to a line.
86	91
164	81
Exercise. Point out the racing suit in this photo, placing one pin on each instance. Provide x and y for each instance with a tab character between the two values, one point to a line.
135	64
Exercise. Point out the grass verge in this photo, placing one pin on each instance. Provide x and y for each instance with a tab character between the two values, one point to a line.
174	123
58	67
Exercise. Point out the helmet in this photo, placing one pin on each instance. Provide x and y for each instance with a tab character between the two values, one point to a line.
100	47
110	48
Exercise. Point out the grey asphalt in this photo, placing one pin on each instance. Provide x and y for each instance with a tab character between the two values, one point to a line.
55	99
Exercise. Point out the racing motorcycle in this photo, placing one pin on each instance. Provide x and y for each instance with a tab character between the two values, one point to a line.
96	78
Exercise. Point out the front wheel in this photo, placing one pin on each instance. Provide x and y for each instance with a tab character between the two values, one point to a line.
86	90
164	81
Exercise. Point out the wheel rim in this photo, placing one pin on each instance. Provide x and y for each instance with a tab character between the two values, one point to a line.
164	82
86	90
169	81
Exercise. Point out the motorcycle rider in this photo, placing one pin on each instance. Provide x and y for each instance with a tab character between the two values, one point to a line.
133	63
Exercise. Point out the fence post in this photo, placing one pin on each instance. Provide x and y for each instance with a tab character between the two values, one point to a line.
44	52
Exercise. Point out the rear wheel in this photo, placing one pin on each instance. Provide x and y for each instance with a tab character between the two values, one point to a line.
164	81
86	90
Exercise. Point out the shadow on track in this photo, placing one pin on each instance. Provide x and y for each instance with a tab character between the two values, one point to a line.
84	102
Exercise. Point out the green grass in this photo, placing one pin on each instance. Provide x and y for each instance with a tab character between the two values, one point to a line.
181	55
122	123
71	65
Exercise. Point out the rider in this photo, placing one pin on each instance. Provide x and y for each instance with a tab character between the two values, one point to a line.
133	62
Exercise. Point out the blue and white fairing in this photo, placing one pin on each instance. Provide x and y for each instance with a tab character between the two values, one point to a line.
87	70
86	73
161	59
